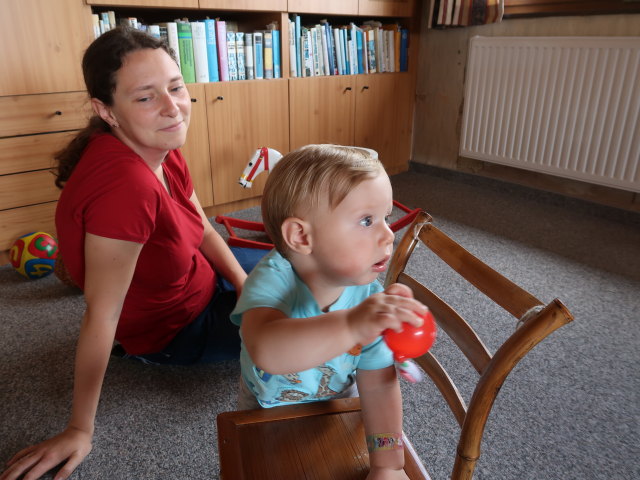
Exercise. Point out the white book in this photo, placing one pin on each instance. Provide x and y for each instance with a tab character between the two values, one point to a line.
199	36
248	56
391	50
325	50
293	71
337	43
240	54
232	58
172	35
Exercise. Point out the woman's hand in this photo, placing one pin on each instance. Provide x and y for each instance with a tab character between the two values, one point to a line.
72	446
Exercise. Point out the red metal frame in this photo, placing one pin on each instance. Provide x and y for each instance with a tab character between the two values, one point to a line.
235	241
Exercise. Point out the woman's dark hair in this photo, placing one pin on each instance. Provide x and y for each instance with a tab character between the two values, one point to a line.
100	63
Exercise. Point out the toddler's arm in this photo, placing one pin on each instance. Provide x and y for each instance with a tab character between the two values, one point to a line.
281	345
381	404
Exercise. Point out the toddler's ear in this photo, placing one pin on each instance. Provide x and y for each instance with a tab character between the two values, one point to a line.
295	233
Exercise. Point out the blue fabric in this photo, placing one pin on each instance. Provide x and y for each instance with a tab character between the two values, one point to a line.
274	283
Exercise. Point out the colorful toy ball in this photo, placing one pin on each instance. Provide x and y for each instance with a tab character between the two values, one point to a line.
34	255
411	342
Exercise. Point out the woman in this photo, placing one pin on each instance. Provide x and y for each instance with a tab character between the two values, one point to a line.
134	236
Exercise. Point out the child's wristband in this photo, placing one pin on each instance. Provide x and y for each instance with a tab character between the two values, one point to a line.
384	441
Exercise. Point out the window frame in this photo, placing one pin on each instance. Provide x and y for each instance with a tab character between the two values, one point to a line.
541	8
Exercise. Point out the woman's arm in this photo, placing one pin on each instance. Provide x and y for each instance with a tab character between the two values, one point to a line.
381	404
218	252
109	267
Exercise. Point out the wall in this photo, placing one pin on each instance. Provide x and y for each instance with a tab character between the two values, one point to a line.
439	99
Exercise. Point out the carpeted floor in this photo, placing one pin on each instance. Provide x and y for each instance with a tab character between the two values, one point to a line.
570	410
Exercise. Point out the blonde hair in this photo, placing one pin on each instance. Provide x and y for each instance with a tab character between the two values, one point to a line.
306	177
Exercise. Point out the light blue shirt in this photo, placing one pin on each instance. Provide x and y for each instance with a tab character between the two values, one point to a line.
273	283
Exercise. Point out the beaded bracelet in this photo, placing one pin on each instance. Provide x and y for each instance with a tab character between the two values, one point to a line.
384	441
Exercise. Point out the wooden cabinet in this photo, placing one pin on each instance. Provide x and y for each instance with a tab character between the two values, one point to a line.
384	117
38	56
373	111
242	117
43	102
196	148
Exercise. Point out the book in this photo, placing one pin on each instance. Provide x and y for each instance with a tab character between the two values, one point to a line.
232	59
315	52
371	50
298	36
95	22
359	50
198	32
277	60
293	71
221	36
325	50
268	54
404	49
258	64
172	39
336	43
242	74
331	51
185	47
154	31
248	56
212	49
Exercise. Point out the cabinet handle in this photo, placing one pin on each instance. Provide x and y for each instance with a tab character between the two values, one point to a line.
194	100
57	112
219	97
348	89
366	87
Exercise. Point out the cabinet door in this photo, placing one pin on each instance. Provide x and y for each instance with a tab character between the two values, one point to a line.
268	5
321	110
384	117
328	7
243	117
196	148
38	55
388	8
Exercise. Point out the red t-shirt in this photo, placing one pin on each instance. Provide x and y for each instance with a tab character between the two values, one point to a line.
113	193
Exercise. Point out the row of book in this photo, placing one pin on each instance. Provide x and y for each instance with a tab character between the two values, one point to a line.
214	50
321	49
211	50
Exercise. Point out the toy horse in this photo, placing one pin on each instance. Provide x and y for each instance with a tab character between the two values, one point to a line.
262	161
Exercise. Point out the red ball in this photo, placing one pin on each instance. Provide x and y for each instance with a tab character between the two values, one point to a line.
412	341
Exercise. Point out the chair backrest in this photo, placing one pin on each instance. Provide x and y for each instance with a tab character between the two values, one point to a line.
535	321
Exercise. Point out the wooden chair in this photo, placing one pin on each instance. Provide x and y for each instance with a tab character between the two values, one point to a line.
325	440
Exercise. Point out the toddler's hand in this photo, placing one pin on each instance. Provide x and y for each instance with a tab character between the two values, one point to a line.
388	309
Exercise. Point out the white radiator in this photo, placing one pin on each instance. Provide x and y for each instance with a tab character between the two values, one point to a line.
566	106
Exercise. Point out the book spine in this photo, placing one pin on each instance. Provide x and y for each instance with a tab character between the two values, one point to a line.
248	56
240	54
223	63
172	36
212	49
371	50
200	51
258	64
359	51
293	70
404	50
298	36
268	54
185	46
277	60
232	59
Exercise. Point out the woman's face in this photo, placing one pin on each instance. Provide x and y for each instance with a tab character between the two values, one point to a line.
151	104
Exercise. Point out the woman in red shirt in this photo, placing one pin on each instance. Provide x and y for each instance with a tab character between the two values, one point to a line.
134	236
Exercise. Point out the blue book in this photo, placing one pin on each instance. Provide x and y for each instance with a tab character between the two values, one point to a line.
331	51
298	45
275	34
212	49
258	64
404	48
345	51
360	50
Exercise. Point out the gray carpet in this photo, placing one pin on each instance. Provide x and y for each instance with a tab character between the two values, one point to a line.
570	410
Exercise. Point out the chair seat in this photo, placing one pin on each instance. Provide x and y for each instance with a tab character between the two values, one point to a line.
319	440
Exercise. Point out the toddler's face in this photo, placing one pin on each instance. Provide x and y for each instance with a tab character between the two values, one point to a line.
352	243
